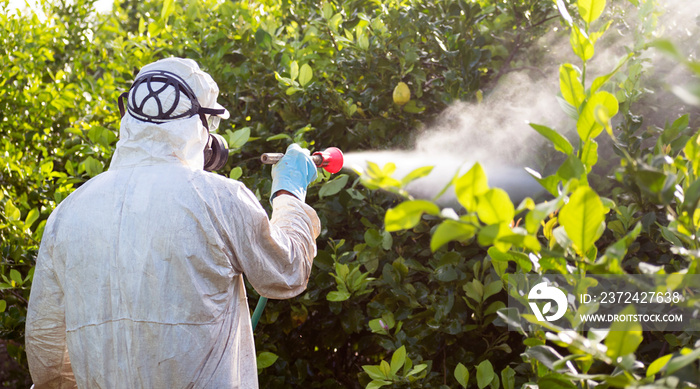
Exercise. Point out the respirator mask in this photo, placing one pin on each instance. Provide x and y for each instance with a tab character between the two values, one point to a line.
150	86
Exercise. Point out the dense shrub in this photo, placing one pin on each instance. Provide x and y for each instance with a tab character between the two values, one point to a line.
323	74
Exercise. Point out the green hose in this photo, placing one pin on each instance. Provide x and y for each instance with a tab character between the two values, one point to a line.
258	311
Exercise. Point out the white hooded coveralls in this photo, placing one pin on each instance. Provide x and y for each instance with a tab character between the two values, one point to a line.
139	277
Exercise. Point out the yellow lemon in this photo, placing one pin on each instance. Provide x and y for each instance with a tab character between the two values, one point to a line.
402	94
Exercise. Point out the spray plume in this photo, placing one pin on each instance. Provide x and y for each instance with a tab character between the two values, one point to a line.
496	133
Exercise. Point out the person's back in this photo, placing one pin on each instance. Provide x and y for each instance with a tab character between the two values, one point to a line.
156	277
144	265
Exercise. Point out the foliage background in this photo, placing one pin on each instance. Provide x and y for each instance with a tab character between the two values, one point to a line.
382	308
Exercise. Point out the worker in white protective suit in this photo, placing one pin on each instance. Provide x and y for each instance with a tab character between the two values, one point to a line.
139	277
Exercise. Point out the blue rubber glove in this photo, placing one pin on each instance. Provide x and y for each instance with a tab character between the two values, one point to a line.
294	172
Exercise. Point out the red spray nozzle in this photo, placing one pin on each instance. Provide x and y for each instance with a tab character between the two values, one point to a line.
330	159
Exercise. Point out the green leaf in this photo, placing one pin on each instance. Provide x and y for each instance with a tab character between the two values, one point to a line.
278	136
484	374
474	290
327	11
291	90
236	139
669	48
473	183
263	38
492	288
691	197
590	10
450	230
582	218
494	206
600	81
658	364
521	240
556	381
69	168
154	28
305	74
167	10
286	81
681	361
236	173
550	183
656	182
375	384
32	217
389	169
490	235
337	296
417	369
618	250
12	212
3	306
624	336
335	21
692	152
16	276
294	70
570	85
589	154
266	359
388	319
387	240
580	43
462	375
374	372
519	258
377	327
671	133
333	187
407	214
602	106
508	378
546	355
93	167
386	369
398	359
46	167
560	143
571	168
416	174
413	107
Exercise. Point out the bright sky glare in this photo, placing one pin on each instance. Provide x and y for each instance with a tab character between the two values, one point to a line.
100	5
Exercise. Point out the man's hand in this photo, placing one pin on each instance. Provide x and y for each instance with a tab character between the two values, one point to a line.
293	173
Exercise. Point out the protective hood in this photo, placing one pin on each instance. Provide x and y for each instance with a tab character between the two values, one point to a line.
144	142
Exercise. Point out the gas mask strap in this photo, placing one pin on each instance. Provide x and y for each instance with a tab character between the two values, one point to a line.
120	102
168	79
208	111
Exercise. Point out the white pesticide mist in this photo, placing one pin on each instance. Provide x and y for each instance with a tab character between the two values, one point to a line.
496	133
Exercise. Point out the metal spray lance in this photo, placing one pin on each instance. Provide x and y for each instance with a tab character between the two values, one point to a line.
331	160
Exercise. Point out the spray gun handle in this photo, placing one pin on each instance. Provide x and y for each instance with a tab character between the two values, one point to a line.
330	159
273	158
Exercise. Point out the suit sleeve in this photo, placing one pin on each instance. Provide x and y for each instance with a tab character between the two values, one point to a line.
276	254
45	334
